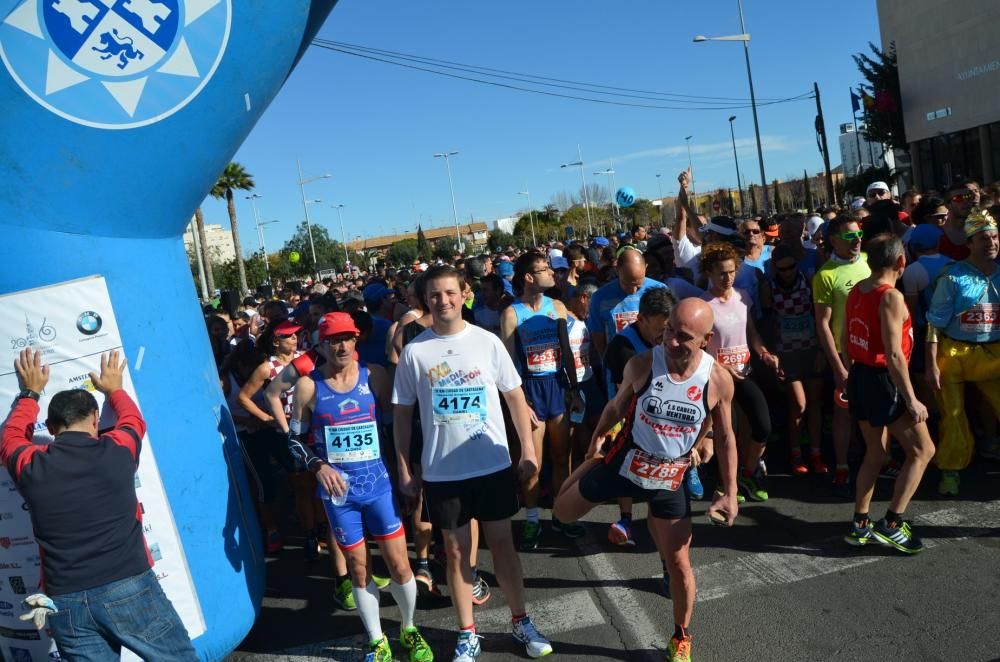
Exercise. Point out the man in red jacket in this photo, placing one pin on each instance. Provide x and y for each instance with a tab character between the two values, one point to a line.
80	491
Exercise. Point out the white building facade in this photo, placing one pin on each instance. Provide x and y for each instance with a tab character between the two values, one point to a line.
219	240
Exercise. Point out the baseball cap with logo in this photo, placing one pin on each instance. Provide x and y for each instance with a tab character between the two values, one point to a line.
335	324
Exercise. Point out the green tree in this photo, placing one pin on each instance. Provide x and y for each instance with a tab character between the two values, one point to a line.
444	249
809	193
329	252
752	192
199	220
403	252
228	274
642	212
776	194
423	246
859	184
234	178
883	113
499	239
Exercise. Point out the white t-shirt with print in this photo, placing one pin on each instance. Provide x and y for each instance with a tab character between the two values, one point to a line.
454	380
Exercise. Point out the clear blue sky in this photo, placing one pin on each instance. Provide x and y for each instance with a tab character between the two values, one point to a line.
375	126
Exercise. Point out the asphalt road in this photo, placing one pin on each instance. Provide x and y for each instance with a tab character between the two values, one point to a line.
781	585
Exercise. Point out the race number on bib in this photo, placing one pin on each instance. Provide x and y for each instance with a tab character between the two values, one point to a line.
458	404
737	357
543	358
352	443
981	318
795	327
653	473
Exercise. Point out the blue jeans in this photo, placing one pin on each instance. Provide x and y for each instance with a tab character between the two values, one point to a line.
133	613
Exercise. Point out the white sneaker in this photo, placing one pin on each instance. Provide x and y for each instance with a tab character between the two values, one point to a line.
534	643
467	648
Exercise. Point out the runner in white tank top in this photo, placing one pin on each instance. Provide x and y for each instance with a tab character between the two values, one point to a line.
665	397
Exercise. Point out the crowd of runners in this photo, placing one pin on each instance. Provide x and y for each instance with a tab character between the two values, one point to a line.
425	406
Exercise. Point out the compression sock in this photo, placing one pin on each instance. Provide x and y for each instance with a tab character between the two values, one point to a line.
405	596
366	600
532	514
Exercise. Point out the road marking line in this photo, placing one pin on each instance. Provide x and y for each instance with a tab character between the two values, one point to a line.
758	570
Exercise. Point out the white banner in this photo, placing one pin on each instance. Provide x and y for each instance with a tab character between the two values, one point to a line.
72	324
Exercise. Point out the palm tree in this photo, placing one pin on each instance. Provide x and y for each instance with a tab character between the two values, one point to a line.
234	177
206	259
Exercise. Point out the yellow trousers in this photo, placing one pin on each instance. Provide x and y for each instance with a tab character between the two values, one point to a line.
962	363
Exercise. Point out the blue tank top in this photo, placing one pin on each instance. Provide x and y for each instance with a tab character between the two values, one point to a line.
538	335
345	432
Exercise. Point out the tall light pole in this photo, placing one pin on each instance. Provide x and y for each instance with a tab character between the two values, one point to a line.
343	237
256	221
531	217
583	182
451	186
263	250
610	172
739	185
687	139
305	209
745	38
659	186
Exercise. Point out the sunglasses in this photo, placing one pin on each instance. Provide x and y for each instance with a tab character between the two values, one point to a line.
963	197
752	231
852	236
937	216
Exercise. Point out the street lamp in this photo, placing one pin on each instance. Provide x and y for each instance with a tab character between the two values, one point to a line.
739	185
583	181
531	217
343	237
451	186
745	38
659	186
610	172
305	208
263	249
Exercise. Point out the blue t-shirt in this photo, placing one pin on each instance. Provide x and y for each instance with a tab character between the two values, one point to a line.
373	349
611	310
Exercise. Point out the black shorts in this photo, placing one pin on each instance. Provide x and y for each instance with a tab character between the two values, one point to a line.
267	450
604	483
872	397
488	498
800	365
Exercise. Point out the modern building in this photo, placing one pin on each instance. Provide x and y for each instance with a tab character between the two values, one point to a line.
857	153
949	73
219	240
474	236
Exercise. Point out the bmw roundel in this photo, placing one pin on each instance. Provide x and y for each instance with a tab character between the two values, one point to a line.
114	64
88	323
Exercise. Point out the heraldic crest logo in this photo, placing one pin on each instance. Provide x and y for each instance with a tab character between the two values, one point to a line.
114	64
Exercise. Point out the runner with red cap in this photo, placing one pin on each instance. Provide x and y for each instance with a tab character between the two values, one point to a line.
340	404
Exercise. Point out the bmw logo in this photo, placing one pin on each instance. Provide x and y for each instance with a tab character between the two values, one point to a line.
114	64
88	323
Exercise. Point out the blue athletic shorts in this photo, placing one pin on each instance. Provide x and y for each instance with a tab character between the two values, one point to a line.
376	514
546	395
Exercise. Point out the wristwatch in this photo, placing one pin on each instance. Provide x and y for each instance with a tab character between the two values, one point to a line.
28	393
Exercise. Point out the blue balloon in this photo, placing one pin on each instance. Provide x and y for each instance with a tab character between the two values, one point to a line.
625	197
135	141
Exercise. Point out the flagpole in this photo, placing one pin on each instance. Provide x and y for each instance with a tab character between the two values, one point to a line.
857	139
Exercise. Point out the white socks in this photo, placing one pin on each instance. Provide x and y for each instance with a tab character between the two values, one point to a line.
405	596
366	600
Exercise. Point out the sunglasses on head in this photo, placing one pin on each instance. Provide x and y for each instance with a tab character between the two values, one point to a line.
851	236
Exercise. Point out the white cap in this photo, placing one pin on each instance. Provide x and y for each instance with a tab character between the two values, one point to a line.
813	223
877	186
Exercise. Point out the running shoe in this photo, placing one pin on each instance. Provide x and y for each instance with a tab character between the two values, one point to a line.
901	537
990	450
799	466
754	486
693	482
467	648
531	534
890	470
534	643
379	651
480	591
620	533
381	583
740	499
568	529
680	649
425	582
274	543
949	483
311	548
859	536
343	595
413	641
816	460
